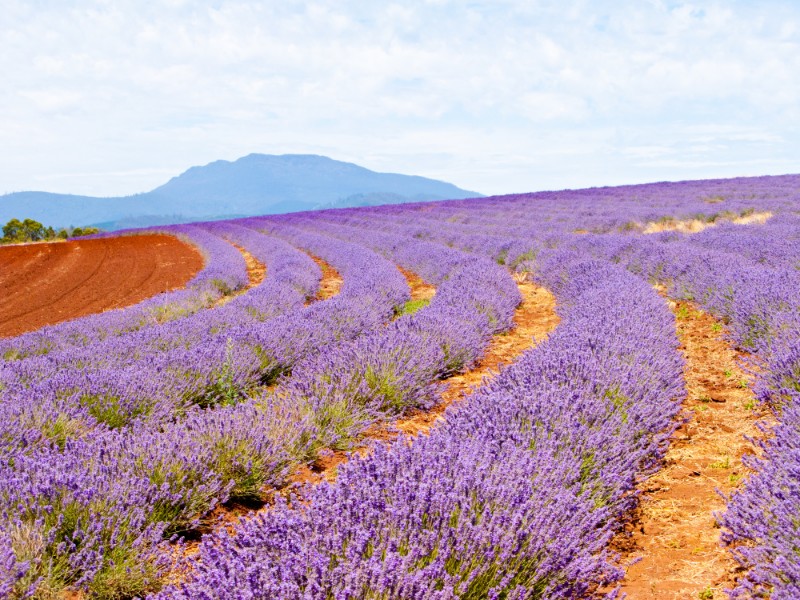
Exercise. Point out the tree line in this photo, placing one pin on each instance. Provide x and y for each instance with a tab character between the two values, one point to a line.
28	230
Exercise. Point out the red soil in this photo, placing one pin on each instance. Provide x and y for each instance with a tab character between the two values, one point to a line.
256	270
420	289
331	283
43	284
674	533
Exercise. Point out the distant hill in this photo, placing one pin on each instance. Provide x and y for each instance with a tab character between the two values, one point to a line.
253	185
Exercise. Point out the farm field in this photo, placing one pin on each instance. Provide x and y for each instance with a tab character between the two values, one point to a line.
570	394
44	284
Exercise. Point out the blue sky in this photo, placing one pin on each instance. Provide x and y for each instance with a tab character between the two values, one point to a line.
107	98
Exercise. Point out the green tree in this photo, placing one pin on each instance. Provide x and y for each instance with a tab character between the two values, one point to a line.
33	231
12	231
81	231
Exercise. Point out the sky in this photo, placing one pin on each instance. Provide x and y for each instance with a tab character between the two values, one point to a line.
115	97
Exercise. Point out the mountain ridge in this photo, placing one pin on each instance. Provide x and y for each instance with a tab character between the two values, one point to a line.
251	185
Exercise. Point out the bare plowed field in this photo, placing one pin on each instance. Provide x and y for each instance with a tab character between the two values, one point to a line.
42	284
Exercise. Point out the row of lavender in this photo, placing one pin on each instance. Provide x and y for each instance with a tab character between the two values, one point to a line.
72	485
156	371
135	484
747	276
548	451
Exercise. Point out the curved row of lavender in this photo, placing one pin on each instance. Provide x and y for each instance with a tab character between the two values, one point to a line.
547	451
116	381
748	277
169	477
224	272
388	371
87	506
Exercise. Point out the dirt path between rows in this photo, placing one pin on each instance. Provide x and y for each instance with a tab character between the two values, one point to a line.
256	272
674	533
331	283
420	289
44	284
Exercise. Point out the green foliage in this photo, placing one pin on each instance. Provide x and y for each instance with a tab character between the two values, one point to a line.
28	230
757	329
83	231
222	286
249	468
337	420
229	393
270	368
168	312
12	354
724	463
125	571
62	429
108	409
618	400
179	510
526	256
16	231
587	467
223	389
666	220
410	307
385	384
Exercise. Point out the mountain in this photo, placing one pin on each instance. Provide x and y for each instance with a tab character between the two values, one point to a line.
253	185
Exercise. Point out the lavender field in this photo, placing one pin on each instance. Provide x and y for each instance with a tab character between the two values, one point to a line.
129	435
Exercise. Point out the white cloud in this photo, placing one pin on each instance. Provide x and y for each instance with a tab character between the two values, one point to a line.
495	96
